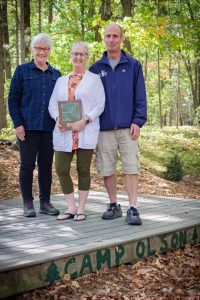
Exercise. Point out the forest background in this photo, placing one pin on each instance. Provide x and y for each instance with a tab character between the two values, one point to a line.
162	34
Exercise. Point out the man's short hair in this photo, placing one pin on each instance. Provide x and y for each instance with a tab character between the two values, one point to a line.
114	24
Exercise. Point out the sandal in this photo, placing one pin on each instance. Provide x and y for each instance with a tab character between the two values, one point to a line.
65	216
82	217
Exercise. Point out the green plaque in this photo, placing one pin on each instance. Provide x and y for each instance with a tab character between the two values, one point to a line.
69	112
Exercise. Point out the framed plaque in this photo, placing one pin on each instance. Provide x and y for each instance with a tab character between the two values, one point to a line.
69	112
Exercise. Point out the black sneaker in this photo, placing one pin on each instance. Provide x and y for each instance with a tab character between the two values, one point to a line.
113	211
48	209
133	217
29	210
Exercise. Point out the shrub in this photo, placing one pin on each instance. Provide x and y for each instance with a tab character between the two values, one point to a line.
174	169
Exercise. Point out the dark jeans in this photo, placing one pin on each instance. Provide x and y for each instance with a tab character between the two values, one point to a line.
37	146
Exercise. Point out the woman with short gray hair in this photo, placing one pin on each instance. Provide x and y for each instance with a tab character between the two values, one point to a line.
28	100
43	38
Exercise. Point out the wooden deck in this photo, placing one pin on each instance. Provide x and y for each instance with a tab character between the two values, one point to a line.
37	251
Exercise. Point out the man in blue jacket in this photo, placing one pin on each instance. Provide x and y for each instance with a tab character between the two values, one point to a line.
124	114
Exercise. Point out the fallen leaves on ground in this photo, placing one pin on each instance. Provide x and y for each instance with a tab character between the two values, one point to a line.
173	276
149	183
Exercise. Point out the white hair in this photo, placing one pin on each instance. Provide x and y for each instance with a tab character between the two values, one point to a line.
83	44
43	38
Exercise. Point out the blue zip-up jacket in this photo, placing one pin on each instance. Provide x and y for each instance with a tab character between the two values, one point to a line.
125	92
29	95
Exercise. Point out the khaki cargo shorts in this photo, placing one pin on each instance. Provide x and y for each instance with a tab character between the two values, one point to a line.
113	145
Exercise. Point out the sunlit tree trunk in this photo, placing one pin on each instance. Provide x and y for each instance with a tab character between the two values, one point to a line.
178	93
145	65
159	89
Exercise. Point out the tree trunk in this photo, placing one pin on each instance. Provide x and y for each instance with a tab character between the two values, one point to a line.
2	103
194	87
22	33
91	12
50	16
178	93
25	30
159	90
145	65
127	6
39	14
106	13
7	64
17	32
82	20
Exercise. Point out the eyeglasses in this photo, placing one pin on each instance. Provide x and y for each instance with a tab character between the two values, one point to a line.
39	49
79	54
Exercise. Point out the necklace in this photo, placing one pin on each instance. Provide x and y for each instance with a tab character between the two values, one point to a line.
43	69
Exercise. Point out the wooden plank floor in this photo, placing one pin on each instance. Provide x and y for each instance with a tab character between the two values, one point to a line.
38	251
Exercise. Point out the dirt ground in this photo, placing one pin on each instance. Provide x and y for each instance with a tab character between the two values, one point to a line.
173	276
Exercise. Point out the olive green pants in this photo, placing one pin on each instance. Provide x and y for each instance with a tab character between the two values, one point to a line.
63	165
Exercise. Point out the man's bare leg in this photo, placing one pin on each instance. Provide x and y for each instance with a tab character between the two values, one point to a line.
132	217
113	211
111	187
131	185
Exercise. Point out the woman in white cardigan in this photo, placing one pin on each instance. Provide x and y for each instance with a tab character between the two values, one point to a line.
82	85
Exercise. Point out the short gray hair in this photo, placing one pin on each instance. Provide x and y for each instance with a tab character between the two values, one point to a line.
81	43
41	38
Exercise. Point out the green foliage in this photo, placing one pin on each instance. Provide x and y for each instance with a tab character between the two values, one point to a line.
173	26
8	133
174	169
158	145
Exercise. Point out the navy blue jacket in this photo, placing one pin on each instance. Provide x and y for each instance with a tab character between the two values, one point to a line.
125	92
29	95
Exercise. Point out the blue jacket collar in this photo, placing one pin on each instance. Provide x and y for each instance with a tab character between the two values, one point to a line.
105	60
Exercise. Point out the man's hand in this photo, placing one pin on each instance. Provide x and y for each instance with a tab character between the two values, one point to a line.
135	131
20	132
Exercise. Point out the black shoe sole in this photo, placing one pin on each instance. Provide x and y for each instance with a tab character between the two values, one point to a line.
133	223
48	213
111	218
29	216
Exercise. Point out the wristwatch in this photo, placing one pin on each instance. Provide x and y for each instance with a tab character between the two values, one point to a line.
87	121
